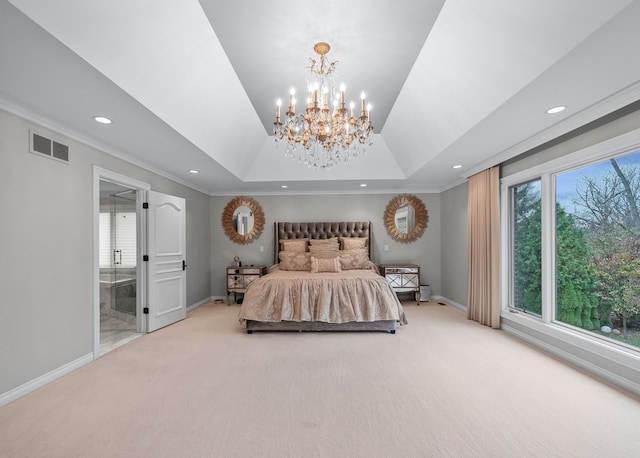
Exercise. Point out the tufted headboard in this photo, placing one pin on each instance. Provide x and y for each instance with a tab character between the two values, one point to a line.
320	230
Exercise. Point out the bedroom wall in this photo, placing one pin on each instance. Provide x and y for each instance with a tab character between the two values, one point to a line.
454	244
344	207
46	241
613	364
617	123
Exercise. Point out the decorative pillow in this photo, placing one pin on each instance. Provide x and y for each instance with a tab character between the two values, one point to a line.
353	243
325	243
327	248
325	265
354	259
291	260
296	245
324	253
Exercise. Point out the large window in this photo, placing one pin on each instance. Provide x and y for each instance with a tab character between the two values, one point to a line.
597	266
590	227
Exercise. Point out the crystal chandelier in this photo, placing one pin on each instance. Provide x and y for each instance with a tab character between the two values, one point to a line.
317	137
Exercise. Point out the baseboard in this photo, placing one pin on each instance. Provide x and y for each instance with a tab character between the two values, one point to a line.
460	307
36	383
572	359
198	304
39	382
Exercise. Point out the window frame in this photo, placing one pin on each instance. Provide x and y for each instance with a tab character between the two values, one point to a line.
546	172
510	249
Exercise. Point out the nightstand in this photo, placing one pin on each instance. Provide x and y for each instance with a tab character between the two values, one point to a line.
403	278
239	278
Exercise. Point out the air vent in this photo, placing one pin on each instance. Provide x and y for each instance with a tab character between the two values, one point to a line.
40	144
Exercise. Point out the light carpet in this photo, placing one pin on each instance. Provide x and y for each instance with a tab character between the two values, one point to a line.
442	386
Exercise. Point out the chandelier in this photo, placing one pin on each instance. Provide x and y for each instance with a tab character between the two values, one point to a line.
318	137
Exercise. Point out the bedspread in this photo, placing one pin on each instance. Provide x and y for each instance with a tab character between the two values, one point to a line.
347	296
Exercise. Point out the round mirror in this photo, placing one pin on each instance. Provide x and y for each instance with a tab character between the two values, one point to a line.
405	218
242	220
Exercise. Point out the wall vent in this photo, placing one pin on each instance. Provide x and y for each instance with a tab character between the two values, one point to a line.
42	145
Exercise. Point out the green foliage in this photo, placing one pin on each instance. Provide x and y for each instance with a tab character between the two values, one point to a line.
575	285
616	266
528	264
576	300
597	251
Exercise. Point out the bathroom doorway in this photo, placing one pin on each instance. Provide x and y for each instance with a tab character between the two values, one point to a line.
118	260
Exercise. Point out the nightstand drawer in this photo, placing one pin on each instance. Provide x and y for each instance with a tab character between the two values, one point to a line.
252	271
404	280
402	270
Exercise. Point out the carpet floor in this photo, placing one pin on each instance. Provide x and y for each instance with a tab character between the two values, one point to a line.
442	386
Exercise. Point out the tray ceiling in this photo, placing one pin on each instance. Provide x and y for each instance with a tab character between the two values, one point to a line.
192	84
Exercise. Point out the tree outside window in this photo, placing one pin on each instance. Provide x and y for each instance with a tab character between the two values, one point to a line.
598	248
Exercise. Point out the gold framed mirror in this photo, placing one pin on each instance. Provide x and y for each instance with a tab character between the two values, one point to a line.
405	218
243	220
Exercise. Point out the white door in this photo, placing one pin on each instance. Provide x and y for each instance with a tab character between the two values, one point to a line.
167	260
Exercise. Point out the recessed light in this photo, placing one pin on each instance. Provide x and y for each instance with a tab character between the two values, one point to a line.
102	119
284	186
557	109
363	185
457	166
194	171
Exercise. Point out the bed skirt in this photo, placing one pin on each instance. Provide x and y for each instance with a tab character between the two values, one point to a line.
382	325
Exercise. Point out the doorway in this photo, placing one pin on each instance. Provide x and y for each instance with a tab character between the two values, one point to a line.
118	265
139	254
120	276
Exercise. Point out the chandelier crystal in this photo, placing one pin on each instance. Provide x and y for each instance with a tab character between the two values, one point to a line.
318	137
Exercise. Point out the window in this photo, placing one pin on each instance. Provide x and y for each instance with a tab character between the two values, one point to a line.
526	248
574	250
597	268
117	239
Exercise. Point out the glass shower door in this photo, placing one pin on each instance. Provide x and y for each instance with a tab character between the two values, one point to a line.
123	272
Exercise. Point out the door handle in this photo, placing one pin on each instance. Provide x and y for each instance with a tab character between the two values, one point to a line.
184	265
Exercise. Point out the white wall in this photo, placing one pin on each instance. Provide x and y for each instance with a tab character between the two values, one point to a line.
46	244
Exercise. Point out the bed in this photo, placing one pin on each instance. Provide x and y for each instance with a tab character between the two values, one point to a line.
322	280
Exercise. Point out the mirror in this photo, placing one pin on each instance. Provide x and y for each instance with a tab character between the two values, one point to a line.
243	220
405	218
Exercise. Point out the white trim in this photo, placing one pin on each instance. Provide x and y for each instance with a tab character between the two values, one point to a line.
616	357
506	242
616	146
199	303
547	248
142	189
39	382
460	307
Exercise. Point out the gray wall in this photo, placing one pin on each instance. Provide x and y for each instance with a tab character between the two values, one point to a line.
46	246
613	125
454	243
616	366
345	207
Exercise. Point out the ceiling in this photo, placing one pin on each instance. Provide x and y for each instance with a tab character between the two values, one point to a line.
192	84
